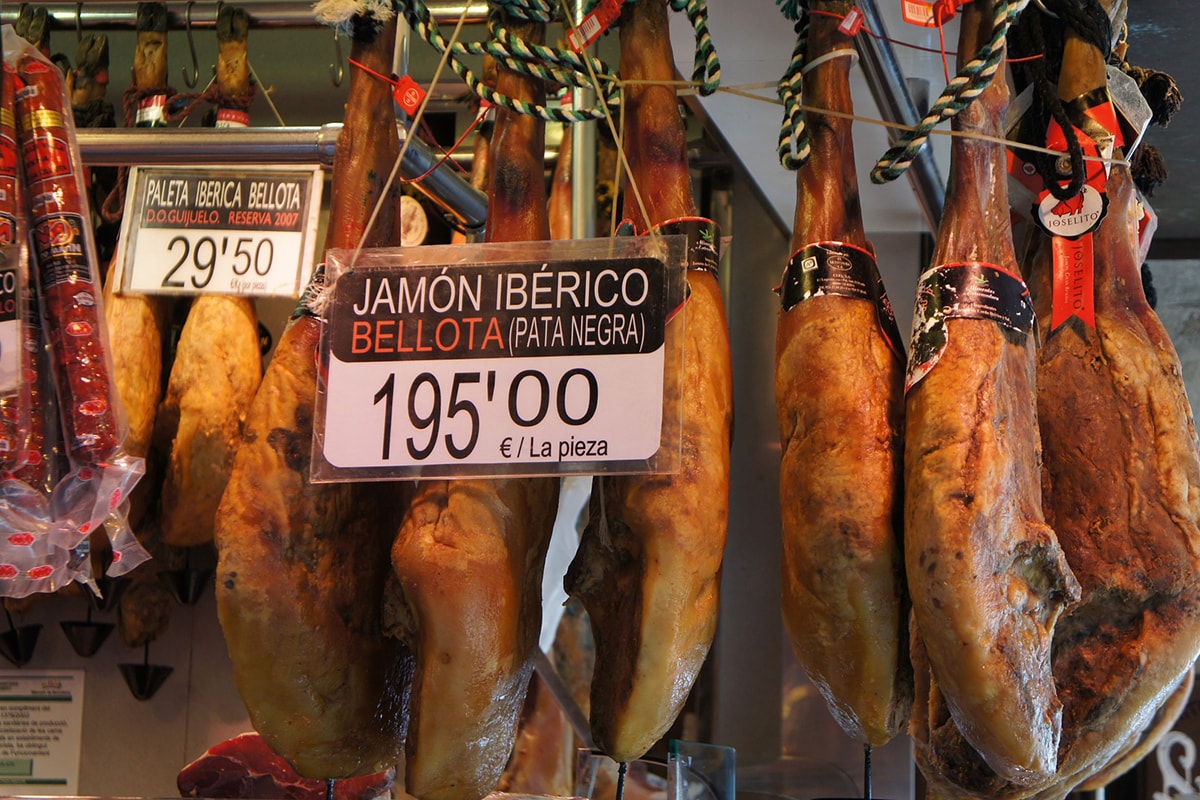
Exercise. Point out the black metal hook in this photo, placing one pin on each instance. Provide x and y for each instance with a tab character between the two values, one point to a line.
194	77
336	71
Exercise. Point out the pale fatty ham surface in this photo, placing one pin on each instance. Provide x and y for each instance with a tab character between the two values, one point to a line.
217	370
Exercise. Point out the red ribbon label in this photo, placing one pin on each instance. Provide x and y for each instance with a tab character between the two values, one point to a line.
1094	120
1071	222
1074	284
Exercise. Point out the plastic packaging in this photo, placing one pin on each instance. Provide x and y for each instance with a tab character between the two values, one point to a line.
41	533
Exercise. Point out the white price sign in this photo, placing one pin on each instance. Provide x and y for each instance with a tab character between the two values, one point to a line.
514	368
220	230
536	411
10	321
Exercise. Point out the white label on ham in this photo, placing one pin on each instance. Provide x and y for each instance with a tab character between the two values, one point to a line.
220	230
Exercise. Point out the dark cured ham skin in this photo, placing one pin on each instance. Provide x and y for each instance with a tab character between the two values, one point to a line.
245	767
986	574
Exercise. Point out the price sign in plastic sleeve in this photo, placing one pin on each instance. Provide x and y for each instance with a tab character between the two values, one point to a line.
220	230
554	364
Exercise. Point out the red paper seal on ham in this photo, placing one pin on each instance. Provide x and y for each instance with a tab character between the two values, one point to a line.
245	767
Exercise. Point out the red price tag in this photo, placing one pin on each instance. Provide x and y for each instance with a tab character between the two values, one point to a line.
852	22
408	94
918	12
593	26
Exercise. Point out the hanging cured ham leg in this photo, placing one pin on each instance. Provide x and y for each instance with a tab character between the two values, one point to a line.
1127	514
839	388
302	566
1124	655
469	555
218	363
987	577
1121	472
648	567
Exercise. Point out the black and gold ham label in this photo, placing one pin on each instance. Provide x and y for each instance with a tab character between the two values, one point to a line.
60	247
703	250
963	291
841	270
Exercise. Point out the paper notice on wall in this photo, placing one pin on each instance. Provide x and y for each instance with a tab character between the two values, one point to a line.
41	725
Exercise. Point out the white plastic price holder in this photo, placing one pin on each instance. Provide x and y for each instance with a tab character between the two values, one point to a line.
244	230
11	312
539	358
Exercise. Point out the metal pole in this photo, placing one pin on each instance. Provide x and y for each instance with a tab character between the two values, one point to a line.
263	13
445	186
583	157
883	75
400	55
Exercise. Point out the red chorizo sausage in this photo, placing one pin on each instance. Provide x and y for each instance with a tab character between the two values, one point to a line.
14	405
65	274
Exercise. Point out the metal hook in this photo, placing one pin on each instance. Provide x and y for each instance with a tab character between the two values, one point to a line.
79	21
337	71
190	80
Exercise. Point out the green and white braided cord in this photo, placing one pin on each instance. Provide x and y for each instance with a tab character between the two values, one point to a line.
706	70
968	84
554	65
528	10
794	144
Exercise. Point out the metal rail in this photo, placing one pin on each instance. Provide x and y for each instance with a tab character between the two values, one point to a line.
583	157
263	13
444	185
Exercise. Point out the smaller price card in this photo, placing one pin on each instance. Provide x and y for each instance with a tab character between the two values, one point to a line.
220	230
11	290
535	359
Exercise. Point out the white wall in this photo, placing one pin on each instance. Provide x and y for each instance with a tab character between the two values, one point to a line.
1179	309
132	747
